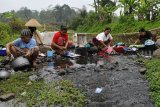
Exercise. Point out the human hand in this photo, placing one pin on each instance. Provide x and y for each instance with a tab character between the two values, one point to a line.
28	54
62	48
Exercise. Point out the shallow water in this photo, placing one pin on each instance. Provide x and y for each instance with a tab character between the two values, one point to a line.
64	62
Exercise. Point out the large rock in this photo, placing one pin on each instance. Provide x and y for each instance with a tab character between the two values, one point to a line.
156	53
7	97
158	42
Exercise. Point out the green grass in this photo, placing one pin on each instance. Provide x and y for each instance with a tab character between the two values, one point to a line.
125	27
153	76
62	92
1	58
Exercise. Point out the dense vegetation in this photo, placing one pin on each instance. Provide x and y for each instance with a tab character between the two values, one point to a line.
152	76
134	13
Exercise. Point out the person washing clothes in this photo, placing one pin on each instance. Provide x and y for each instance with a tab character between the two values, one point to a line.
146	38
103	39
143	36
60	41
25	45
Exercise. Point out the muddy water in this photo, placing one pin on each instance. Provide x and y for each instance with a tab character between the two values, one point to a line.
114	82
120	84
54	69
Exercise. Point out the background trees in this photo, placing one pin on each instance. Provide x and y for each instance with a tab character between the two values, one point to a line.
52	17
143	9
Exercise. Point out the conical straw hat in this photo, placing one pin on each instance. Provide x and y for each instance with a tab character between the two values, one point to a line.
33	23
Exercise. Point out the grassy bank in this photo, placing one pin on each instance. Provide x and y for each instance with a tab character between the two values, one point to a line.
117	27
153	76
35	93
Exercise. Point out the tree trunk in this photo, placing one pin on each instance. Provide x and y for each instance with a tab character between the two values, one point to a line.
95	6
148	16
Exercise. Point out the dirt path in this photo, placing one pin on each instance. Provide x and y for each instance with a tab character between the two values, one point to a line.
121	83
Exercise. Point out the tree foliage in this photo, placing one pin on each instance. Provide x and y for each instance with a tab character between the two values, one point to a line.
143	9
74	17
52	16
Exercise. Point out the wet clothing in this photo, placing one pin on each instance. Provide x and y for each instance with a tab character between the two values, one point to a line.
60	39
145	37
19	43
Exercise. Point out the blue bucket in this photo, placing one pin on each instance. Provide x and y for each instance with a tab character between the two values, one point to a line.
49	53
3	52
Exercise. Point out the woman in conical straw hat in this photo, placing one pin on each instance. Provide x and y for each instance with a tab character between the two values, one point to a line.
32	24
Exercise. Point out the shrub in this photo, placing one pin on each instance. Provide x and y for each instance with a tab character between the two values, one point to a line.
5	31
16	25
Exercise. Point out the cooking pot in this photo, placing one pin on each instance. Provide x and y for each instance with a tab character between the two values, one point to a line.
20	63
4	74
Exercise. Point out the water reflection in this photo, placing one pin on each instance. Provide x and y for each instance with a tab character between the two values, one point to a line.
63	62
86	60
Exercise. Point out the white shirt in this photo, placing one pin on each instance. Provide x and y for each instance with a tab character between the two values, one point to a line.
103	37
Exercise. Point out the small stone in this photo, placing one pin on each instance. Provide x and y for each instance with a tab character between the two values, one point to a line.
125	68
24	93
68	71
61	72
142	70
7	67
6	97
2	64
97	69
33	78
130	63
29	83
148	57
111	67
116	62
